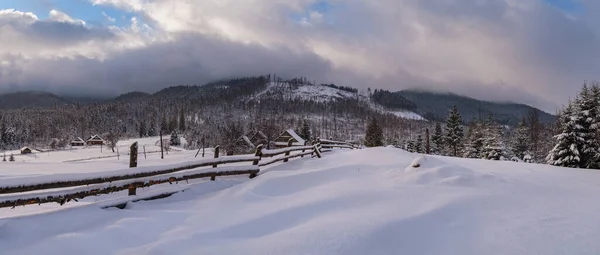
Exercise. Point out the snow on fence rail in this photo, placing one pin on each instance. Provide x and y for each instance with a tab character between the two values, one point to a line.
63	188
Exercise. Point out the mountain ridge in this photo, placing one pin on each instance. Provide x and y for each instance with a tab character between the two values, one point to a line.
428	104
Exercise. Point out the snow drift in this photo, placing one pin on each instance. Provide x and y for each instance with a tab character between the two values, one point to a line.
370	201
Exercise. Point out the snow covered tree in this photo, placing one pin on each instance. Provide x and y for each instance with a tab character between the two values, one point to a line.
305	131
475	141
493	147
437	139
454	131
566	151
427	142
175	139
410	146
374	134
182	125
419	144
142	129
586	111
112	138
520	142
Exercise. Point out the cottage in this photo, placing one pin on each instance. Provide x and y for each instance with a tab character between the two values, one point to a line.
26	150
282	140
95	140
77	142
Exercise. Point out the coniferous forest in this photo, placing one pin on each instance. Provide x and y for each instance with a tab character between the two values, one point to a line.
219	113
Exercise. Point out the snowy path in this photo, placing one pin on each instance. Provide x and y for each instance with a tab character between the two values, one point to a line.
349	202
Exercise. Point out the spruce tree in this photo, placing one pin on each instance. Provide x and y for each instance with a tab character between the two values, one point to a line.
454	131
437	139
566	151
493	148
410	146
305	132
182	125
475	141
175	139
587	113
419	144
520	143
142	131
374	134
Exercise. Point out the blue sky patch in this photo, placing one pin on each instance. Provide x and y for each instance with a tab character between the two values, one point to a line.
77	9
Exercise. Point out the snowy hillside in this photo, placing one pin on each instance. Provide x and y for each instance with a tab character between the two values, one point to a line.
371	201
322	93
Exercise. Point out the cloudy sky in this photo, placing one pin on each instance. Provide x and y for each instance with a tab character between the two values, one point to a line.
532	51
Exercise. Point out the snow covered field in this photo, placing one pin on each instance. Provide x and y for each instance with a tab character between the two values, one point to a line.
369	201
93	159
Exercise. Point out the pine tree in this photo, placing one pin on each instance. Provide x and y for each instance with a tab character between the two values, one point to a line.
437	139
306	132
493	148
182	125
454	131
587	114
410	146
419	144
374	134
566	151
142	131
175	139
164	125
427	142
475	140
520	143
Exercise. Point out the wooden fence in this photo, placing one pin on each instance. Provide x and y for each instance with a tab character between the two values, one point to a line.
66	187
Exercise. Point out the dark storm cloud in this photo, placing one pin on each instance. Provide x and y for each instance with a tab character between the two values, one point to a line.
187	60
503	50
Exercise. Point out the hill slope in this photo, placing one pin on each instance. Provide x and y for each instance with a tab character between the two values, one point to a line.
31	99
434	106
353	202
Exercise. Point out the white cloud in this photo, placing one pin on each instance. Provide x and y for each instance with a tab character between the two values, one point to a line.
109	18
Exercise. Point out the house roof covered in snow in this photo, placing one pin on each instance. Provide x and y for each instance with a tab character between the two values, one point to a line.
291	133
77	140
95	138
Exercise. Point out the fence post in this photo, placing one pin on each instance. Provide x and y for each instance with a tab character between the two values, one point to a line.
133	155
288	152
131	189
316	150
216	156
258	154
162	155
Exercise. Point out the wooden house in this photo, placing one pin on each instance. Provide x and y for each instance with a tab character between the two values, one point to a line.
77	142
282	140
26	150
95	140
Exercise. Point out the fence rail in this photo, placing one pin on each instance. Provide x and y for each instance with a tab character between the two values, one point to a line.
67	187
